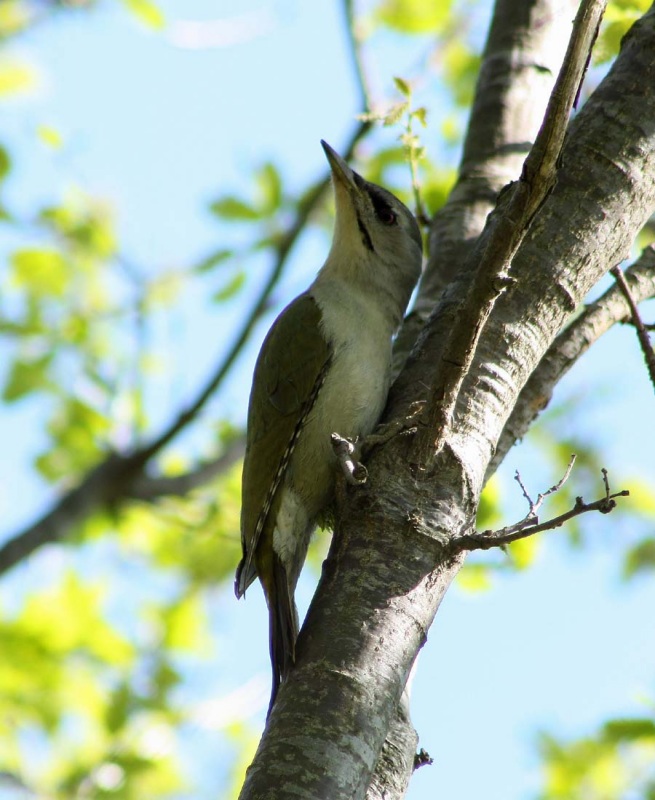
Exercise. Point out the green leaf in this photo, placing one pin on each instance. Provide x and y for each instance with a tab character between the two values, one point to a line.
269	184
186	625
147	12
232	208
231	288
5	162
41	271
26	377
50	136
414	16
16	77
618	19
474	578
421	115
640	558
395	113
213	260
14	17
402	86
622	730
523	552
489	508
461	67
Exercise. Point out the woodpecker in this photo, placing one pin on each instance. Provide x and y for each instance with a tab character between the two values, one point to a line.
324	367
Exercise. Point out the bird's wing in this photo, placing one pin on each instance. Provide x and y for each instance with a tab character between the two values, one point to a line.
289	372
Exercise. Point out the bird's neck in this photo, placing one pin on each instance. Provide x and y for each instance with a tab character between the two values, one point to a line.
366	287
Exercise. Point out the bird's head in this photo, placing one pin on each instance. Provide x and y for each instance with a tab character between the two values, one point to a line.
376	238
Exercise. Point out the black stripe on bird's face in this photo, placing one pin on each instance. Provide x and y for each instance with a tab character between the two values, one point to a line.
366	237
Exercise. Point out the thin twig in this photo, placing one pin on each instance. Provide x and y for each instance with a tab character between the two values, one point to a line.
504	233
642	332
485	540
356	55
536	505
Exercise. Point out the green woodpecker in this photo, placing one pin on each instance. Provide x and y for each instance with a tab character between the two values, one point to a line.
324	367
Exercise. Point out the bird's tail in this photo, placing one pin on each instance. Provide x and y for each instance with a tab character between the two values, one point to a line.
283	627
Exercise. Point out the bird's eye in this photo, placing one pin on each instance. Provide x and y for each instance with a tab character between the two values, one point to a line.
386	215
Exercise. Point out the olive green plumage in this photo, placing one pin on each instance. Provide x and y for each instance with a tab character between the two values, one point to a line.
324	367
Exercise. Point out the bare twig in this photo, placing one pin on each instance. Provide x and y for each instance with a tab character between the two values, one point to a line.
356	55
536	505
642	332
504	233
485	540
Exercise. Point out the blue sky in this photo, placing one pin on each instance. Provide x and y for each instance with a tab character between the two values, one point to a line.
159	130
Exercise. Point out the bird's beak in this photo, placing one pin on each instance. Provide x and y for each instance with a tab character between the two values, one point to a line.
341	172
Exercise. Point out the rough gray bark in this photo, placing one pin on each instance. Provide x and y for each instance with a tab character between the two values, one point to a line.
395	549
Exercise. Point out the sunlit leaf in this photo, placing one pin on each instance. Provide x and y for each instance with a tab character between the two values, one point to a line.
269	184
232	208
619	17
186	625
231	288
621	730
489	508
14	17
27	376
474	578
461	66
16	77
213	260
523	552
402	86
147	12
5	162
414	16
42	271
50	136
640	558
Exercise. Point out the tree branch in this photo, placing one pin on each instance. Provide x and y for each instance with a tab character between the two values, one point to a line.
530	525
642	333
504	232
146	488
356	56
568	347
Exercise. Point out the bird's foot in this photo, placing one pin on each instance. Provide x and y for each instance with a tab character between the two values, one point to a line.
344	449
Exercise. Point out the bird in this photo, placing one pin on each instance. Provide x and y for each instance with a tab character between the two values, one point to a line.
324	367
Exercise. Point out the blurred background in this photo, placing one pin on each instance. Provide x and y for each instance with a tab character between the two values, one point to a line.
156	161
